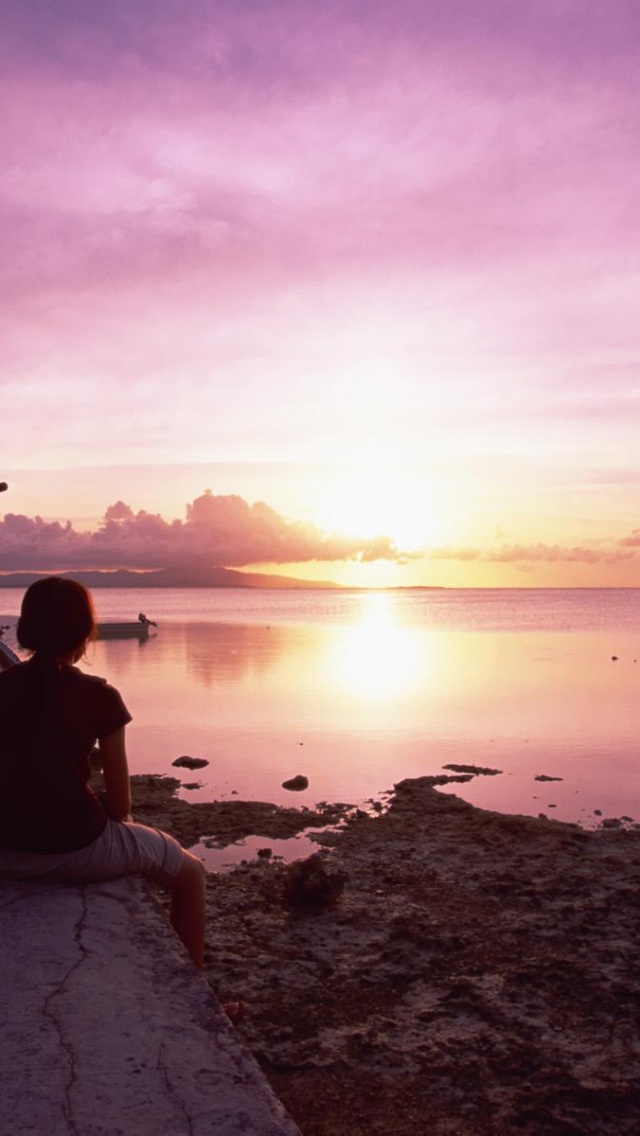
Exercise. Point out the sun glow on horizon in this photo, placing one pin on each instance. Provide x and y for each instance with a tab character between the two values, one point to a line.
374	503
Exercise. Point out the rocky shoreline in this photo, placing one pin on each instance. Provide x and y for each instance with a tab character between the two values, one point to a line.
478	974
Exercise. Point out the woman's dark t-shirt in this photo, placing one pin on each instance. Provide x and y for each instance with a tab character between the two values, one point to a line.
50	720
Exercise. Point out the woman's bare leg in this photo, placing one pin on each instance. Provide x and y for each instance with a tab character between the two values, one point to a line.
188	915
188	905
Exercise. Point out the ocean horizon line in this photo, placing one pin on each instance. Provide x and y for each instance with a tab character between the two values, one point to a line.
248	581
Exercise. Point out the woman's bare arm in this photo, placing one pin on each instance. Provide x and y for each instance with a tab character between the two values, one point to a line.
116	774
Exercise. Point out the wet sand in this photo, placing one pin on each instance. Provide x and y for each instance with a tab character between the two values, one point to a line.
479	973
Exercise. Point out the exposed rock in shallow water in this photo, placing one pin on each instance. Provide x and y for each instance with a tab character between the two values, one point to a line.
222	822
474	769
296	784
186	762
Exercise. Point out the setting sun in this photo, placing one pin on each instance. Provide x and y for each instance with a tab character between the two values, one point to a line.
371	503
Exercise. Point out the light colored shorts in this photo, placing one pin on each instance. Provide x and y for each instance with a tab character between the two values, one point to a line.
123	849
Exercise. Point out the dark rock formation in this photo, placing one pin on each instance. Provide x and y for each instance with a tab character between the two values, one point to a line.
309	884
187	762
296	784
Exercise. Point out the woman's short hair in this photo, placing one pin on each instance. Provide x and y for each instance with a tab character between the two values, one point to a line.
56	617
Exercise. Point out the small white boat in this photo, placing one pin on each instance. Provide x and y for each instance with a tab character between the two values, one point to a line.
126	629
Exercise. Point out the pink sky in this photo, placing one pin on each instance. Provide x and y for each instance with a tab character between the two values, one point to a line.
373	264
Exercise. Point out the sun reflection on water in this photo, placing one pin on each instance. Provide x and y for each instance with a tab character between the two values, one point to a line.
379	657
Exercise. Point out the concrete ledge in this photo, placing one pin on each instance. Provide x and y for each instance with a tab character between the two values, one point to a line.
107	1030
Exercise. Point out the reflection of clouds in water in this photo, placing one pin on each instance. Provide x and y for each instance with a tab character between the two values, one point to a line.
114	656
230	652
380	657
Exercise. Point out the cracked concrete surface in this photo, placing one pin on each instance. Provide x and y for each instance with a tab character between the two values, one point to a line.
107	1030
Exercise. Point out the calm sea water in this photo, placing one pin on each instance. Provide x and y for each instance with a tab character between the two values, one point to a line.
357	690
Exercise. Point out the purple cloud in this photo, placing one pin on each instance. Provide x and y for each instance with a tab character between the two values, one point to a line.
528	554
632	541
219	531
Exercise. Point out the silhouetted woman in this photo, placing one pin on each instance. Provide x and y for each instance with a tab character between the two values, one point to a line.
52	825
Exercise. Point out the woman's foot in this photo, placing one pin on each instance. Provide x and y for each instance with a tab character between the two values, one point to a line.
234	1011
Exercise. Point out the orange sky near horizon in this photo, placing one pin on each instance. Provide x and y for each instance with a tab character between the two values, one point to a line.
444	535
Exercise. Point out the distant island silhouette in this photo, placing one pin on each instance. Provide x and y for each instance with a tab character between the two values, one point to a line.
169	578
183	578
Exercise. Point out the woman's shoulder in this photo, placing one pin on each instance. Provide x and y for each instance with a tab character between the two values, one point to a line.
93	689
102	698
89	682
75	675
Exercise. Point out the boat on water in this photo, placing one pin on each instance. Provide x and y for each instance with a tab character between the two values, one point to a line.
123	629
126	629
